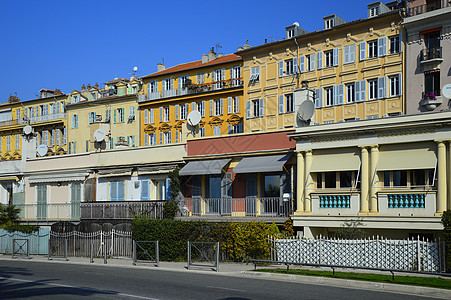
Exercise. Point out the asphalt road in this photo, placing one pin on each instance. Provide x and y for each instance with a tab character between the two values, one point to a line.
39	280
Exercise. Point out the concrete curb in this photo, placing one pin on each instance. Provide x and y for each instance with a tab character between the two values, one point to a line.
355	284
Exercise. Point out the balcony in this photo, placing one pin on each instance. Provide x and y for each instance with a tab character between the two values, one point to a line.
121	210
235	207
433	55
43	118
429	6
193	89
9	123
431	100
49	212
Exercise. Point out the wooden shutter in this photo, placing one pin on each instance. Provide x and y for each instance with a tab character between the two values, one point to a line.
336	56
146	116
382	46
248	109
362	49
340	94
347	54
113	191
261	109
161	114
312	61
281	106
121	190
211	108
145	189
281	68
382	87
193	106
352	53
335	95
177	112
202	113
400	83
295	65
221	106
320	60
229	105
318	98
302	64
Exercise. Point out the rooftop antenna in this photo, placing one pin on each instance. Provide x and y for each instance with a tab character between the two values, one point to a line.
135	71
218	46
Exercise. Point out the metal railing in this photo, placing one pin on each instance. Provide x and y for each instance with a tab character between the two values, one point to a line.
431	53
49	212
9	122
235	207
430	6
49	117
193	89
112	210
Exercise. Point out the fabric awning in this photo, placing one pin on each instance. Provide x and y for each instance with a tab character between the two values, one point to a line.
333	161
10	178
204	167
57	178
155	170
396	158
115	172
267	163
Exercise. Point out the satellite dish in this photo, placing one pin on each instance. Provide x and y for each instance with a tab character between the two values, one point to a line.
194	118
446	90
27	130
306	110
135	69
99	135
42	150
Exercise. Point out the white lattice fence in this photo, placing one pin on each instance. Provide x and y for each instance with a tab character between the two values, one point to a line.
412	255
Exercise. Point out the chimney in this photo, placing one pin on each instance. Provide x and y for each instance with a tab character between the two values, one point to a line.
161	67
58	92
211	54
204	58
219	55
13	99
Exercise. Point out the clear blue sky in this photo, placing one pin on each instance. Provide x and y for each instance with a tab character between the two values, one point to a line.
65	44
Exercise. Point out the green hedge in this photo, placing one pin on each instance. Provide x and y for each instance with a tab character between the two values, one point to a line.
238	240
446	221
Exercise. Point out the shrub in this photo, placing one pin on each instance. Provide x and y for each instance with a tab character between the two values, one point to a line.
446	221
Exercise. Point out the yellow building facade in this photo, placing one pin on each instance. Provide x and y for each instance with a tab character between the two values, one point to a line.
354	69
212	86
112	108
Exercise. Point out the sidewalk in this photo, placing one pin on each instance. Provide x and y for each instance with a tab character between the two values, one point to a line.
243	270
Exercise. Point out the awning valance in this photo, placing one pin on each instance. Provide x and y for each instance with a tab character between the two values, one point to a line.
333	160
266	163
155	170
57	178
204	167
115	172
396	158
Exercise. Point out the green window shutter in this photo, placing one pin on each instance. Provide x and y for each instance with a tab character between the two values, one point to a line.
114	115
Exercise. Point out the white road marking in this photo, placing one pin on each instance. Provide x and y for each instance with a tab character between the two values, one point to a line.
224	288
79	288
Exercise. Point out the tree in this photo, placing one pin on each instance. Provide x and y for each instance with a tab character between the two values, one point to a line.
171	206
8	214
350	230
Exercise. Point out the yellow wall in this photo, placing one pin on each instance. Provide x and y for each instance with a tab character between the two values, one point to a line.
270	85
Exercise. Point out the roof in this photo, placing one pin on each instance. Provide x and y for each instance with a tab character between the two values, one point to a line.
116	80
197	64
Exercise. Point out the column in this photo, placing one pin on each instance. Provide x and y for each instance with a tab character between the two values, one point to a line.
308	163
300	182
364	171
373	178
441	177
449	176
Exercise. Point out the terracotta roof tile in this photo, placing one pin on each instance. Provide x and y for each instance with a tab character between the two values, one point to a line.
197	64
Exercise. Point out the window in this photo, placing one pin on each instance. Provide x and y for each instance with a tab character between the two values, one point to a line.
166	114
218	107
328	59
329	96
145	183
17	139
290	66
93	96
72	147
290	33
131	141
107	116
235	73
168	137
289	103
183	111
255	74
201	108
8	143
120	115
328	23
134	89
372	49
257	108
167	84
200	78
336	180
372	89
183	81
271	186
152	87
374	11
218	77
74	121
236	104
238	128
350	93
394	45
311	60
409	178
349	54
117	190
395	85
432	41
92	117
432	84
217	130
202	132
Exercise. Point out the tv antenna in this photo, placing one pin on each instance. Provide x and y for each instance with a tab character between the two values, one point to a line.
135	71
218	46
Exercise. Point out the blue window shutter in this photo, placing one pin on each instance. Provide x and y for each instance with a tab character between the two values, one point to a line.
357	91
382	46
281	108
312	61
229	129
177	110
400	42
193	106
381	92
152	116
113	191
248	109
144	189
281	68
237	106
340	93
362	49
229	105
318	98
363	90
260	107
121	191
352	53
334	95
202	113
346	54
336	56
320	60
221	103
161	138
295	65
211	107
146	114
115	116
400	83
302	64
146	138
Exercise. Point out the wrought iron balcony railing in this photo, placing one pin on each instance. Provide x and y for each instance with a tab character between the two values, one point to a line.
49	212
43	118
432	53
123	210
429	6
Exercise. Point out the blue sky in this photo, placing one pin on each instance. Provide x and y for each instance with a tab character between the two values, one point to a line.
65	44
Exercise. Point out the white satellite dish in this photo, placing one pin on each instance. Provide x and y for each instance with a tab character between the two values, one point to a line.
41	150
306	110
135	69
194	118
99	135
27	130
446	90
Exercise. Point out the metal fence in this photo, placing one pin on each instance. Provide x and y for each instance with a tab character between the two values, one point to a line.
116	243
379	253
37	241
121	210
